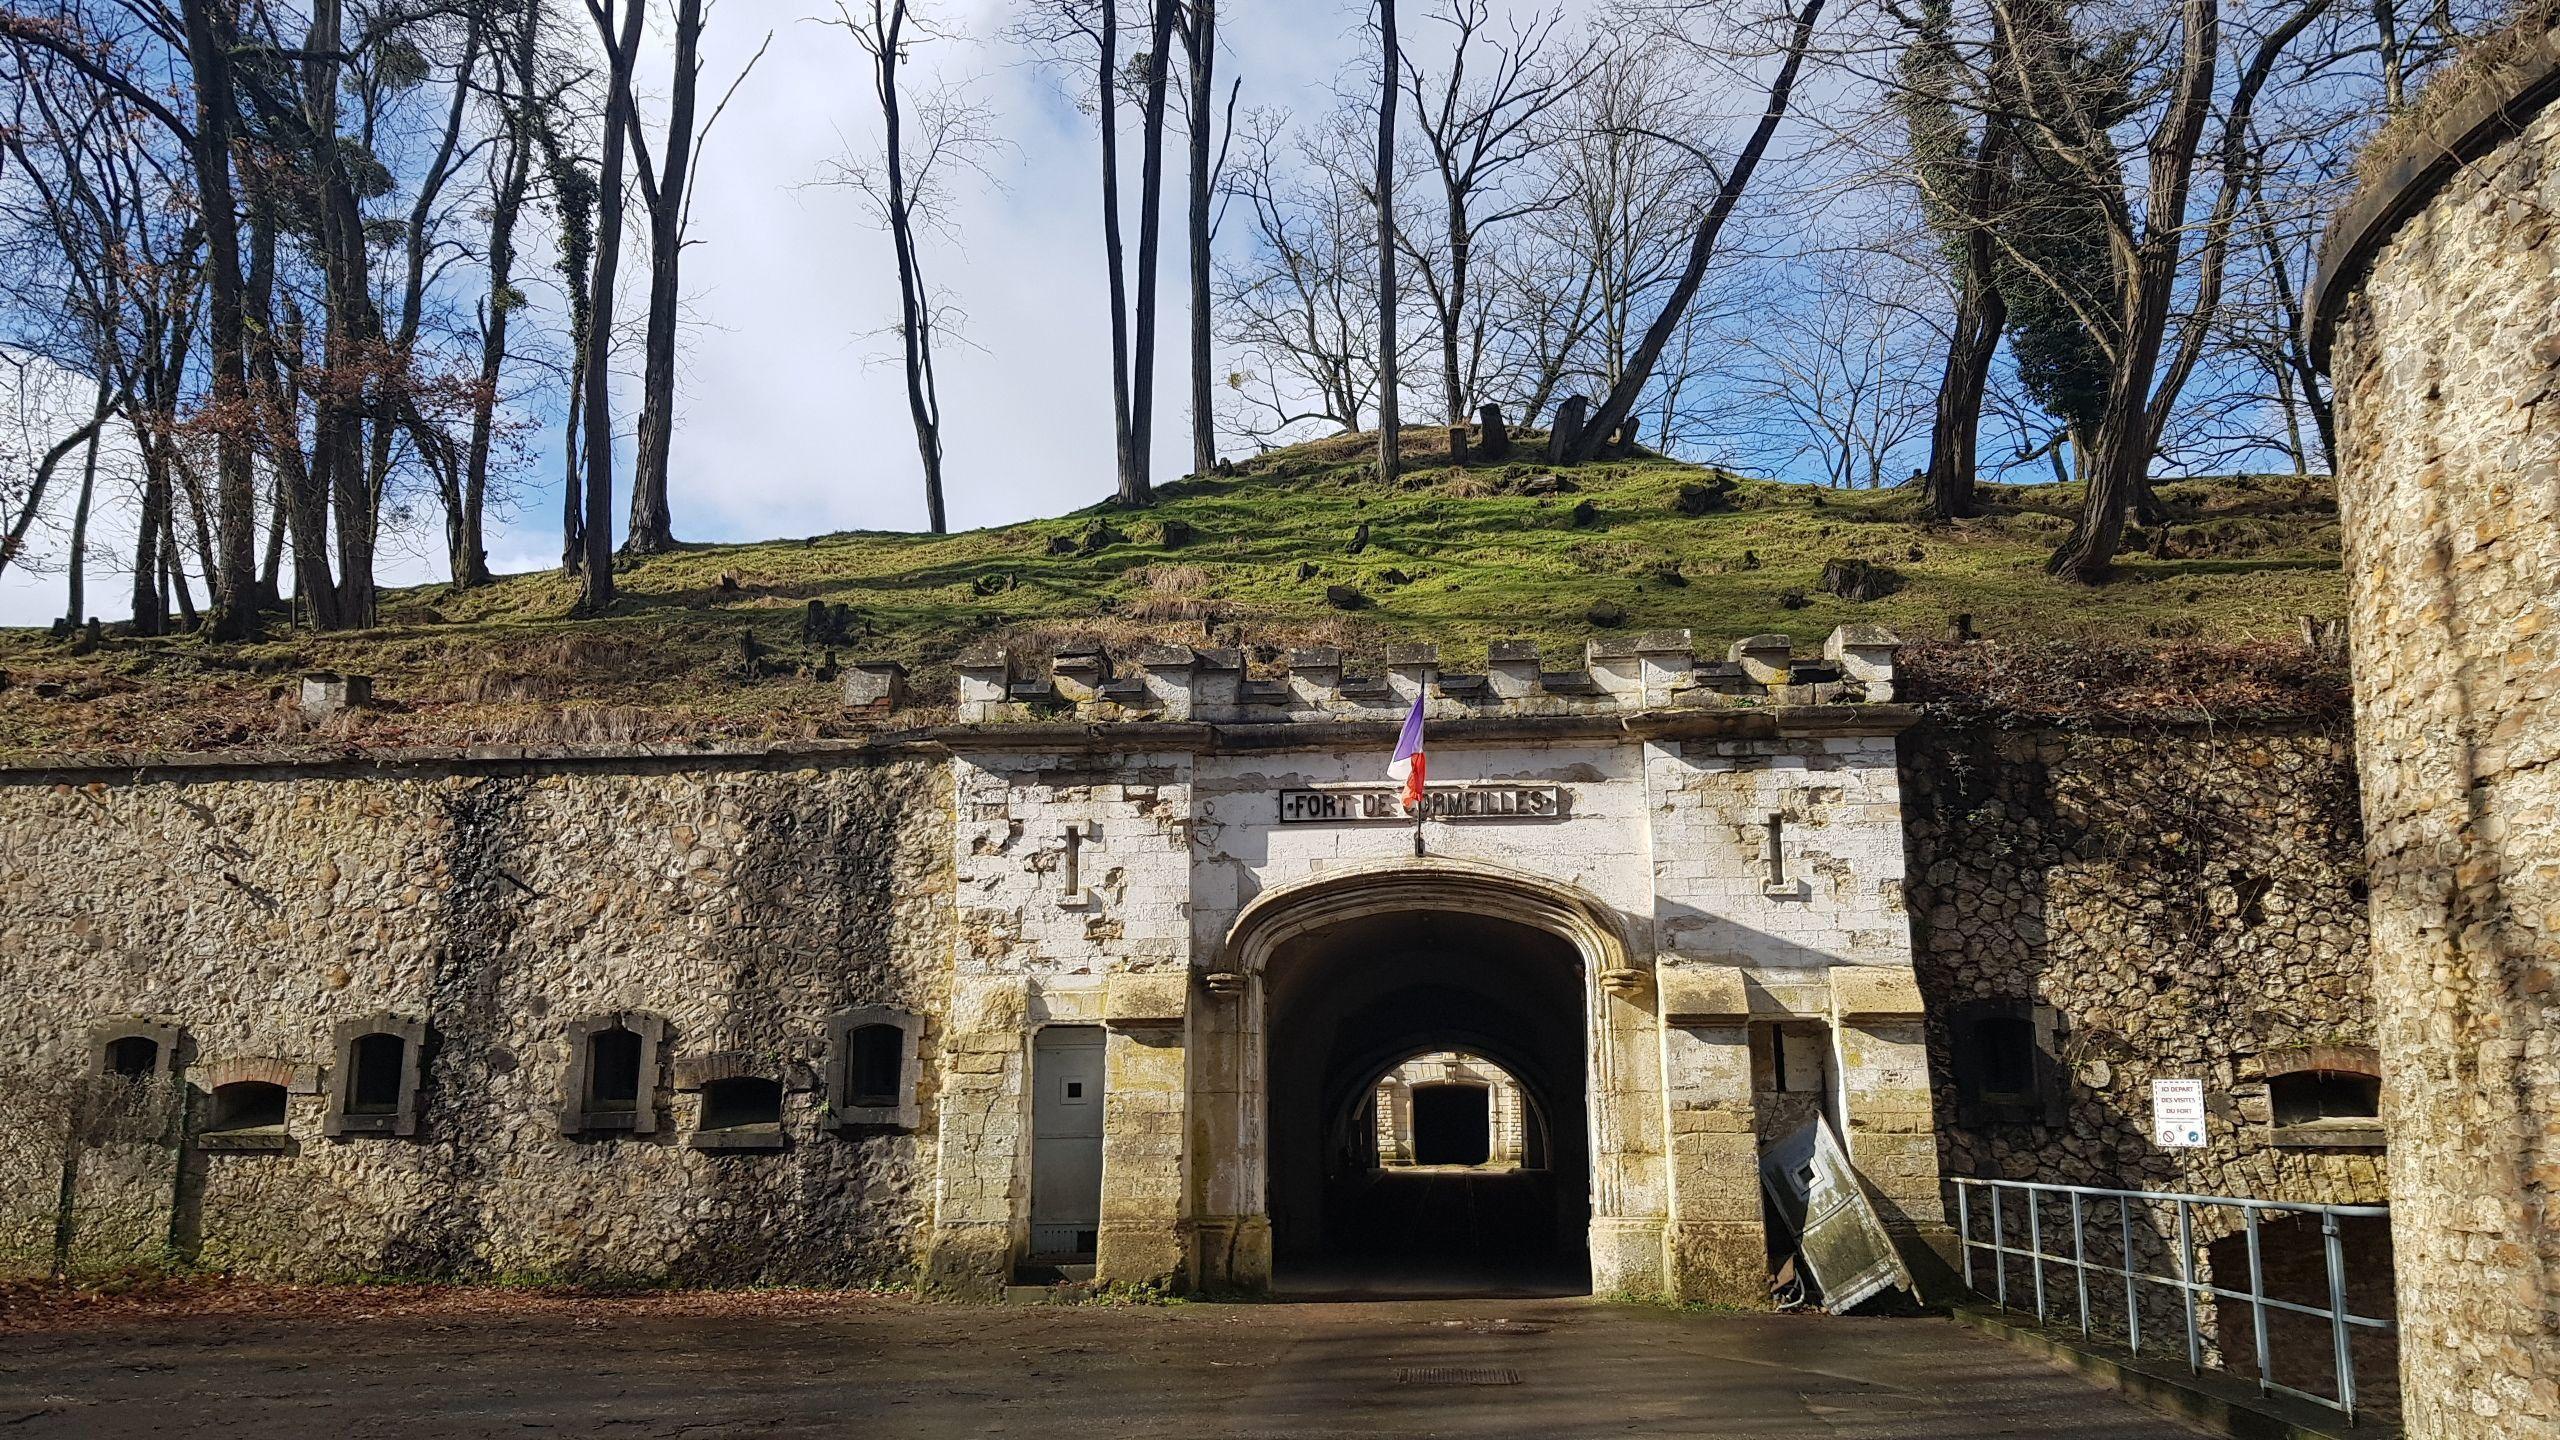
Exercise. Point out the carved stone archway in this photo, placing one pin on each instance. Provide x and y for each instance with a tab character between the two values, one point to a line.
1620	1074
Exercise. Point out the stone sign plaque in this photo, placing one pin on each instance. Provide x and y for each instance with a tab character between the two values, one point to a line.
1353	803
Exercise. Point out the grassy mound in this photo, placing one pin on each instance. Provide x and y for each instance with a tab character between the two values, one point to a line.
1301	546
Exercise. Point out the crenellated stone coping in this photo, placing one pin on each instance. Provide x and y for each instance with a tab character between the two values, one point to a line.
1657	670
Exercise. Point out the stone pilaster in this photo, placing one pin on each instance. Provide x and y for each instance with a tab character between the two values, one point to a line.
1630	1199
981	1187
1884	1094
1715	1248
1145	1239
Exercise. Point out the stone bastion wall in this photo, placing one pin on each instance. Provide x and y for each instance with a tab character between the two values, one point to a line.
2440	304
256	911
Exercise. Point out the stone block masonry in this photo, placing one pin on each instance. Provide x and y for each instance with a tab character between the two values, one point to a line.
2441	299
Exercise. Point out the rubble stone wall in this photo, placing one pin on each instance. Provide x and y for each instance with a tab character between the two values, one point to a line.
741	904
2170	903
2186	901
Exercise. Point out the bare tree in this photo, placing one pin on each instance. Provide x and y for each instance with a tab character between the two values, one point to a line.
668	195
1297	299
1731	183
1478	131
1585	275
517	98
1389	60
620	33
924	139
1842	379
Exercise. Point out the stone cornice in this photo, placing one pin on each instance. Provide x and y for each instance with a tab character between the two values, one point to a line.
1198	737
2490	106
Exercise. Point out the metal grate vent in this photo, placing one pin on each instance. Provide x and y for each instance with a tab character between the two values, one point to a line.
1449	1375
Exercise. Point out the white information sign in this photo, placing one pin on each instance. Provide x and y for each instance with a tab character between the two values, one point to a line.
2177	1113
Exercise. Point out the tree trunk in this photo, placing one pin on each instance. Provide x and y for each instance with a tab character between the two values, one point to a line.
150	603
271	568
1947	492
1142	359
652	529
1453	387
915	307
305	483
351	331
1131	475
469	553
596	592
1203	34
172	562
2121	455
77	599
1638	371
1386	190
209	63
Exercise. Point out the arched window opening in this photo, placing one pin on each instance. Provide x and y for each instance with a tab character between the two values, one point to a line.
612	1083
874	1068
379	1063
135	1057
741	1102
875	1057
613	1072
246	1105
2325	1097
373	1086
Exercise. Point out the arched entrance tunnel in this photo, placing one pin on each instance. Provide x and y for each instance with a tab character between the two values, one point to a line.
1351	1002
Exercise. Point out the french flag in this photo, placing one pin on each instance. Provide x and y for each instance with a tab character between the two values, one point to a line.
1408	765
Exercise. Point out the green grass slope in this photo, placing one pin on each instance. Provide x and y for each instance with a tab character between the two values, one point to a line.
1300	546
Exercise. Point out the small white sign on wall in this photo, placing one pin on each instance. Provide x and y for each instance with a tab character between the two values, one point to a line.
2177	1113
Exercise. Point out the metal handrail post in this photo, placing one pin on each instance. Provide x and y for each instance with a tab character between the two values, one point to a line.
2333	1249
2187	1289
2080	1263
1999	1253
2035	1247
2258	1302
1964	1228
2132	1302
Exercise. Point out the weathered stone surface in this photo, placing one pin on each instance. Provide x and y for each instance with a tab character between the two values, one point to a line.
741	905
2449	488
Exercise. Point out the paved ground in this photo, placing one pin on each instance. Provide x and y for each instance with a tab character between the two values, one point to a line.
788	1366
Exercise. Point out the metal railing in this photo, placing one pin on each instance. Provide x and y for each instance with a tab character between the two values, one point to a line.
2192	1291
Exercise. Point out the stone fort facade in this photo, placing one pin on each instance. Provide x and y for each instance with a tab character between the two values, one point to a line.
1106	972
